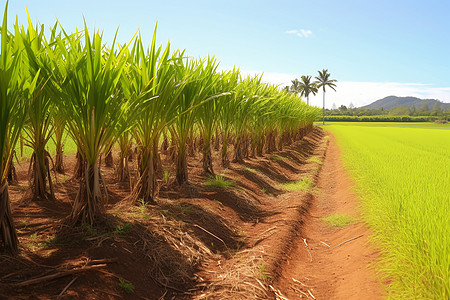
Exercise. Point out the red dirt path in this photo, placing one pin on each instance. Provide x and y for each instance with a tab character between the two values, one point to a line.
345	272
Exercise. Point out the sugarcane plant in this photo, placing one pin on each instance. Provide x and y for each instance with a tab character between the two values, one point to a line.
200	80
206	122
282	117
245	102
59	125
58	74
124	138
263	119
40	60
15	93
93	109
151	86
226	112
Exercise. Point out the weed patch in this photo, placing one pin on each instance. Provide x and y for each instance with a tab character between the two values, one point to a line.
315	159
219	181
128	287
122	229
304	184
339	220
278	158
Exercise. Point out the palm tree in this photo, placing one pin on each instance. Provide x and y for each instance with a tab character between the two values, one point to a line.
307	87
323	80
295	87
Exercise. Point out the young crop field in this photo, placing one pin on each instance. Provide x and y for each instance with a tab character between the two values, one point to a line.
402	174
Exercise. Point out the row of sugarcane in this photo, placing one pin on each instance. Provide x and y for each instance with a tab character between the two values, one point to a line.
122	95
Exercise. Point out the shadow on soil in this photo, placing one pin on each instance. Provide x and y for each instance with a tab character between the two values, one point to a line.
259	181
231	197
158	249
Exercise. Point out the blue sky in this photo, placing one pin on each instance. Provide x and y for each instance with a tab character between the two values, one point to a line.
373	48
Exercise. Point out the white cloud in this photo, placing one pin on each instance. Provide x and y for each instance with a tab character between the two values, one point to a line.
303	33
362	93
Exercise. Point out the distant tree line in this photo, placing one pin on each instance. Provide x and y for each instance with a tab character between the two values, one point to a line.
422	111
384	118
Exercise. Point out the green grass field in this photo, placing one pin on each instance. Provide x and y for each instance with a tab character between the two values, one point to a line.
402	174
70	148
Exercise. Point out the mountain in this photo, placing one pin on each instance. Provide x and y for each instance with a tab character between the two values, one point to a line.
394	101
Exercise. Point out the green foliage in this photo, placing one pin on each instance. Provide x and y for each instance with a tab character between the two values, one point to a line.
140	210
315	159
339	220
402	177
40	62
128	287
195	102
142	206
394	124
92	105
323	81
150	83
122	229
16	90
396	106
166	176
33	237
304	184
399	111
219	181
382	118
261	271
307	87
277	158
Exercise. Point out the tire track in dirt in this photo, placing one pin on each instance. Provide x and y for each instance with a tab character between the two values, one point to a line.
345	272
